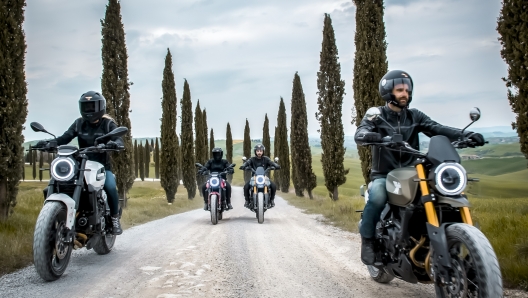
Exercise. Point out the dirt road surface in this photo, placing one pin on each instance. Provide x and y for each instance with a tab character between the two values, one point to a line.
291	254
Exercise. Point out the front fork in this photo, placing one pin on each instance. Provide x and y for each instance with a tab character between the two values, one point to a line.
436	231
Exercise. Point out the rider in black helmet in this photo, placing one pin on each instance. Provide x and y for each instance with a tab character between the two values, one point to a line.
259	160
217	164
94	122
396	89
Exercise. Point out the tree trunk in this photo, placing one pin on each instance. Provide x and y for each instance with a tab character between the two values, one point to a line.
170	196
310	194
4	203
335	195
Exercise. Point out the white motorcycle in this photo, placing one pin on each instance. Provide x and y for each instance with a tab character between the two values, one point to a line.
76	213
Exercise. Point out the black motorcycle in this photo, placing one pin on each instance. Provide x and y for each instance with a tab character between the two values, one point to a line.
76	213
259	191
425	233
216	191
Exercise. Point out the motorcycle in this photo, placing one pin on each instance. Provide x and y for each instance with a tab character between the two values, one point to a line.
259	190
215	187
76	213
425	233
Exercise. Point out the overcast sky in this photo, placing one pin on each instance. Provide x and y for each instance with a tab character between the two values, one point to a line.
240	57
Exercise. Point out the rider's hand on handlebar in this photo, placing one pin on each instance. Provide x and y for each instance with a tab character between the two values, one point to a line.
230	171
477	138
41	144
111	145
371	137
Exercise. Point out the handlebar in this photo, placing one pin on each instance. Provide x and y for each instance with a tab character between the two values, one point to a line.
93	149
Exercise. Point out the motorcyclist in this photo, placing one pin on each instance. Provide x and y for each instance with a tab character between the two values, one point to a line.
217	164
259	160
93	123
395	88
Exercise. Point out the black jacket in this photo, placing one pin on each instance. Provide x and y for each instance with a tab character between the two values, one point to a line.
408	122
217	166
264	162
86	134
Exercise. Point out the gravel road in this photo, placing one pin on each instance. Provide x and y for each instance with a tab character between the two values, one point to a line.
291	254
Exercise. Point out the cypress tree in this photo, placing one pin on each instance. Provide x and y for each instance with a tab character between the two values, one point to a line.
115	86
156	159
146	161
301	155
187	150
199	150
34	157
141	162
229	149
330	101
136	159
151	145
206	149
284	149
212	142
276	146
247	149
41	164
168	162
513	30
23	171
179	175
30	155
370	65
266	136
13	102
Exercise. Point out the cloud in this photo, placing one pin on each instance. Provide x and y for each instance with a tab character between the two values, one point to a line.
240	58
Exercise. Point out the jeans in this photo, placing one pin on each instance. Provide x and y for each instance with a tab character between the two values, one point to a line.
111	193
375	205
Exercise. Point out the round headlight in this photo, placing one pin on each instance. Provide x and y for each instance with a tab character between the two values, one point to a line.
450	179
260	179
63	169
214	182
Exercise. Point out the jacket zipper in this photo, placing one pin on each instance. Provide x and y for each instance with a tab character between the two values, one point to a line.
399	128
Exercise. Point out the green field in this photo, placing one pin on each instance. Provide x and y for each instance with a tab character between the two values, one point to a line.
495	150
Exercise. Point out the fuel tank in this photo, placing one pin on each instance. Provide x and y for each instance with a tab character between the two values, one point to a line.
400	186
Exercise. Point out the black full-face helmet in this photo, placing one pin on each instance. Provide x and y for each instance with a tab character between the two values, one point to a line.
390	80
218	153
259	146
92	106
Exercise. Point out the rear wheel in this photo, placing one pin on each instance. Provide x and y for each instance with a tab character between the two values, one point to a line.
476	271
379	275
51	254
260	209
105	244
214	211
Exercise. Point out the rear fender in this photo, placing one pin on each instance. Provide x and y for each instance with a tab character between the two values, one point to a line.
70	207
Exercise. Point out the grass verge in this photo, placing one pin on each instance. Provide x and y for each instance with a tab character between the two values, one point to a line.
147	202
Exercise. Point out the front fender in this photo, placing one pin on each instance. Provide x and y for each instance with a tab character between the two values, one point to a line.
442	258
70	207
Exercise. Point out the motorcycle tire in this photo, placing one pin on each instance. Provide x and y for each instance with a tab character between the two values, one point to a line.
379	275
105	244
484	274
260	207
214	209
51	256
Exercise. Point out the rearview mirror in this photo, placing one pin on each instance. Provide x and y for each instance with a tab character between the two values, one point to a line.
37	127
372	113
244	158
276	159
474	114
232	165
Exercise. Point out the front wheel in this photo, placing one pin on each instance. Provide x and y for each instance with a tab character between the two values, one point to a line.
260	208
51	254
475	269
214	209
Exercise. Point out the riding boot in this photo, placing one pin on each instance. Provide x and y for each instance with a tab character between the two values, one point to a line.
229	206
116	225
206	206
246	204
368	256
272	202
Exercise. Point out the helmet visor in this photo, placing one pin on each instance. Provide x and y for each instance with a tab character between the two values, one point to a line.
390	84
90	106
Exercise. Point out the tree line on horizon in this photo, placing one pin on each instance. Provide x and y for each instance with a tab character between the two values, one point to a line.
172	154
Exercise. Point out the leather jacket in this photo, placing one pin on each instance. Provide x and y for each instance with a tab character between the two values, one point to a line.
86	134
408	122
255	162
